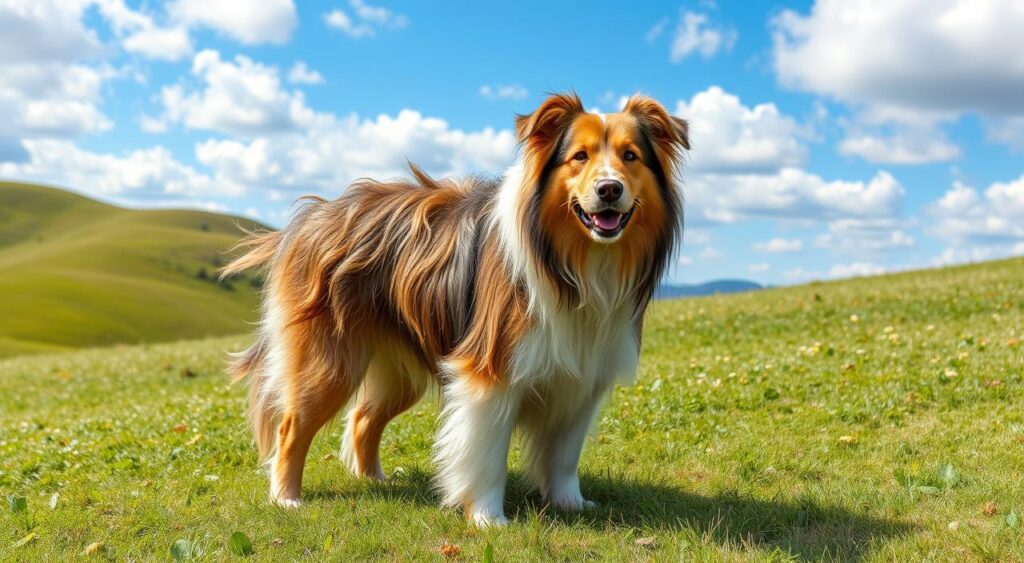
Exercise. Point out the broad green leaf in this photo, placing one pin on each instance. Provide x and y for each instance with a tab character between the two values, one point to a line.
240	544
19	504
1011	519
328	541
489	554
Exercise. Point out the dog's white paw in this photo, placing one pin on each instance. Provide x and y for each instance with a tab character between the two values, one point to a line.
484	519
289	503
572	503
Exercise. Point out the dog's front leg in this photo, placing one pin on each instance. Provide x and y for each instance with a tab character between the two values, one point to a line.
554	445
471	452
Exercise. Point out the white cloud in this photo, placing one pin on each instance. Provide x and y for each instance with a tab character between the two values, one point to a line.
965	217
865	236
932	58
239	97
507	91
791	194
332	152
729	136
758	268
695	33
856	269
365	21
779	246
45	31
1009	131
910	146
141	35
46	89
143	173
301	74
250	22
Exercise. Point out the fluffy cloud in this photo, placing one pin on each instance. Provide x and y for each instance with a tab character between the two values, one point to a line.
911	146
791	193
729	136
140	174
141	35
239	97
963	216
856	269
301	74
365	20
333	151
779	246
47	91
931	59
695	33
507	91
44	31
250	22
865	236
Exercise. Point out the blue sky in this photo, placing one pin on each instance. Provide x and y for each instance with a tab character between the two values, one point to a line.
831	138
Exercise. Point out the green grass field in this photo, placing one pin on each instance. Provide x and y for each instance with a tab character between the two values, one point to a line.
76	272
876	419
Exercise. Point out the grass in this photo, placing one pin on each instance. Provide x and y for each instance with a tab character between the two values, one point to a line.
876	419
76	272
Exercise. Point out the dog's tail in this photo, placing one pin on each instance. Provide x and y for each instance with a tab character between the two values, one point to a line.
264	399
264	404
260	247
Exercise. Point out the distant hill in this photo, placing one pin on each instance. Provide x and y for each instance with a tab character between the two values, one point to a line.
710	288
75	272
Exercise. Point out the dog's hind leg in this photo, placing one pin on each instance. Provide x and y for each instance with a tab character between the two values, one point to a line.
314	396
388	390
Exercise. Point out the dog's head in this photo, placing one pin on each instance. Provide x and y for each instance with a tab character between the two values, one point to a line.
602	183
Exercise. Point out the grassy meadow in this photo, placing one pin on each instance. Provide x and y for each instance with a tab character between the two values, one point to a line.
877	419
75	272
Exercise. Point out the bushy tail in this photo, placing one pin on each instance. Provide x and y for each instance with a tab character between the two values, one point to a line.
264	411
260	248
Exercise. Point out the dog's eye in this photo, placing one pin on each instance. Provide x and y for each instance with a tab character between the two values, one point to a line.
629	155
580	156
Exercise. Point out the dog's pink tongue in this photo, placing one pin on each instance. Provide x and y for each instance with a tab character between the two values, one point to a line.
607	221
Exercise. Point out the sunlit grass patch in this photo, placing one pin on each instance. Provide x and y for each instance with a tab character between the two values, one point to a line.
873	419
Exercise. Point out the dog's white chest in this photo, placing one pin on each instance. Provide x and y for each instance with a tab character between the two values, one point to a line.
578	346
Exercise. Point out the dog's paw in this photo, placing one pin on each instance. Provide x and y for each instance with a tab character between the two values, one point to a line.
289	503
485	519
572	503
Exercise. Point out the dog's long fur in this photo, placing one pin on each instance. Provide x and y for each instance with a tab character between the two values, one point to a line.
509	294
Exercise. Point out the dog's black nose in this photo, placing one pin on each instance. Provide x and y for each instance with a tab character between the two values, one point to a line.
608	190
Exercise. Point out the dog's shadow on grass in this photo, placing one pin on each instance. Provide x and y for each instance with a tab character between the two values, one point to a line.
802	529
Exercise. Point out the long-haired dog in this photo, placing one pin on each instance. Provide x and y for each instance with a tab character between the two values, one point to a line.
522	298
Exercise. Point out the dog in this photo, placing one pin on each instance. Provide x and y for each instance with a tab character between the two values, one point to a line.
521	298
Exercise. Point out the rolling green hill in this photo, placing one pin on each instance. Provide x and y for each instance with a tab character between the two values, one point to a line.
76	272
875	419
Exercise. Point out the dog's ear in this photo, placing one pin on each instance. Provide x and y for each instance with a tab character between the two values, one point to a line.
669	132
539	131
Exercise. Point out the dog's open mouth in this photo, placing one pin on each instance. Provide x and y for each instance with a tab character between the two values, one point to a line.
605	223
